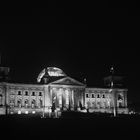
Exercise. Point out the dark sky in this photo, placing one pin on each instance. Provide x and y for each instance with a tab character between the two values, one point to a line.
82	41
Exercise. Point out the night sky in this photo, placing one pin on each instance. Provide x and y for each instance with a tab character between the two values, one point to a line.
84	42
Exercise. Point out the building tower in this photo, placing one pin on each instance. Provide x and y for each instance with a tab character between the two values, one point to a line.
4	77
113	82
4	72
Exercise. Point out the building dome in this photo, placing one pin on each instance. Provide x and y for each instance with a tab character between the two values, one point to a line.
50	72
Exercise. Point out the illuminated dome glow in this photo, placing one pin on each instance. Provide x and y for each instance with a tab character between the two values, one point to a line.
41	74
53	71
50	71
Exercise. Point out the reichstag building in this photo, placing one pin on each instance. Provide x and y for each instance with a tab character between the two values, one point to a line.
57	92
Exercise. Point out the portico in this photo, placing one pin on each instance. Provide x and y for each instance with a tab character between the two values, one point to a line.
66	94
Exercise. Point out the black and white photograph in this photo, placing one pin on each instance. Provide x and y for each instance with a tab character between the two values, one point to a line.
70	71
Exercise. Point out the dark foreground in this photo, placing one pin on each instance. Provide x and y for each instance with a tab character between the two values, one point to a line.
76	127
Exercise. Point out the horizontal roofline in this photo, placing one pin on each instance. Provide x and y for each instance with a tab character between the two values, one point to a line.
95	88
20	84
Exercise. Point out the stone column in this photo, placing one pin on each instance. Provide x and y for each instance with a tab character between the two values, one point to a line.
29	98
71	99
115	108
47	97
57	97
22	99
96	100
84	98
62	93
67	98
60	97
64	99
6	97
75	99
37	100
3	96
125	99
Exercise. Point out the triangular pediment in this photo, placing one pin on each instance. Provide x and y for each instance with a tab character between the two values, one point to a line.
68	81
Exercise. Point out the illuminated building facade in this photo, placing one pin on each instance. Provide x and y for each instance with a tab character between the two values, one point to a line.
106	100
61	95
58	93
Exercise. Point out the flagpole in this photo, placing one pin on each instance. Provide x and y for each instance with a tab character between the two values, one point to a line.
112	90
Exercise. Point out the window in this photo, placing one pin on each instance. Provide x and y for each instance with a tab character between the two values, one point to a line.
26	103
26	93
11	103
98	96
40	93
0	99
103	96
98	104
92	95
33	93
40	103
19	103
93	104
120	97
33	103
87	95
19	92
120	105
88	104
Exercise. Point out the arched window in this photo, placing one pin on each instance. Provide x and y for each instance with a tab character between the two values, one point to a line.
87	95
98	104
120	104
92	95
19	92
120	100
88	104
103	96
11	103
93	104
0	99
26	93
40	103
26	103
40	93
33	103
33	93
19	102
120	97
98	95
